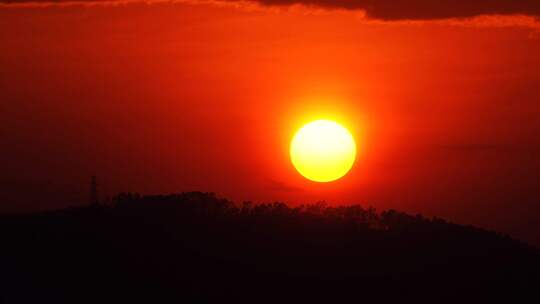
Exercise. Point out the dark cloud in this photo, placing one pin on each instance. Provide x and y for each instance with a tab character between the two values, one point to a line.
533	149
378	9
425	9
475	147
282	187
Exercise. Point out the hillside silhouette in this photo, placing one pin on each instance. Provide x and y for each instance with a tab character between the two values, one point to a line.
196	247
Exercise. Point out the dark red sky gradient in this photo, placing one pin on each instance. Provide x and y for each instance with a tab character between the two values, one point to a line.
176	97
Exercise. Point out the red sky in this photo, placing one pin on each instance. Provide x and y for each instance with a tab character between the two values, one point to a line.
173	97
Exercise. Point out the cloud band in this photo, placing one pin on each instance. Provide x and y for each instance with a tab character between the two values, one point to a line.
389	10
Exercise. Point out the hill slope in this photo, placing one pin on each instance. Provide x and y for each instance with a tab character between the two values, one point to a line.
196	247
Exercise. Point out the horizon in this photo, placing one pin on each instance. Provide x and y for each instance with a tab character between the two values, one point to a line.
131	197
197	247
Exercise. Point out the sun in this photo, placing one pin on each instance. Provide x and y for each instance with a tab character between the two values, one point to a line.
323	151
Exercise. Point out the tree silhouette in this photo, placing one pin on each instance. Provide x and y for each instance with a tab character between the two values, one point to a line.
198	247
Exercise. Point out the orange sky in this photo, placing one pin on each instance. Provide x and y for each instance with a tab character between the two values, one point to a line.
177	97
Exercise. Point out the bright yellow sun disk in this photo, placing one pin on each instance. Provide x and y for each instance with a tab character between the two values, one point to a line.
323	151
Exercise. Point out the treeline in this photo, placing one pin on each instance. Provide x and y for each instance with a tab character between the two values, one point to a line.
352	216
196	247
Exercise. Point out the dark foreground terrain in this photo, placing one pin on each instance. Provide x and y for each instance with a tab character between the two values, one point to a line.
194	248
